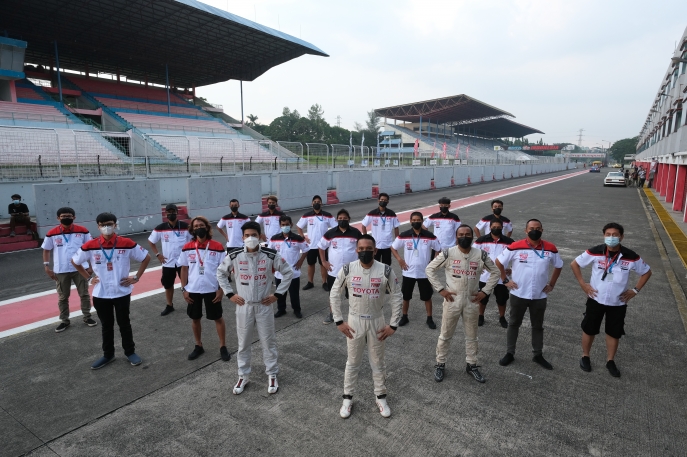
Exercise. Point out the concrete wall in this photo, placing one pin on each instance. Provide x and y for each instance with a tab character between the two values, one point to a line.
442	177
393	182
353	185
460	175
172	190
135	203
210	196
296	190
421	179
489	171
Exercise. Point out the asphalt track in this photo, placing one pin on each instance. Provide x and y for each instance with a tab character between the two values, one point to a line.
52	404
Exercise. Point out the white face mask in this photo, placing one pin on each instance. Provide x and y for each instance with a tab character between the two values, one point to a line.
251	242
107	230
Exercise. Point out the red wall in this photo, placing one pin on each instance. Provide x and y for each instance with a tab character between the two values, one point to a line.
670	187
679	200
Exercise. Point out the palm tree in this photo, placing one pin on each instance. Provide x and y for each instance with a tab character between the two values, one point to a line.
252	118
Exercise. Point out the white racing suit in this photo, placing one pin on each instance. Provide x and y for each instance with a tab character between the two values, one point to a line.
366	292
253	276
462	278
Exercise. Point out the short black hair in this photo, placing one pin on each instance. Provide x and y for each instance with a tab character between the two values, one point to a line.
367	236
171	206
343	211
66	210
416	213
614	225
285	218
233	200
317	197
444	201
16	195
496	201
383	194
467	226
533	220
106	217
496	221
251	225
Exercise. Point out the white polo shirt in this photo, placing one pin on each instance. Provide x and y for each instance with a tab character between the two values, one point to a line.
118	251
617	268
172	238
205	257
493	248
342	247
530	267
445	226
484	225
417	251
383	226
317	224
269	223
290	249
64	244
232	226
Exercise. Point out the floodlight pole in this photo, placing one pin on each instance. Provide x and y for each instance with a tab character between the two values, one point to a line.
241	86
59	80
169	110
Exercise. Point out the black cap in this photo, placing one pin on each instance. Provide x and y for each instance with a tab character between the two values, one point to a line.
171	206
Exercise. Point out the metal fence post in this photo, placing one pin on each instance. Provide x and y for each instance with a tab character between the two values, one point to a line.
76	154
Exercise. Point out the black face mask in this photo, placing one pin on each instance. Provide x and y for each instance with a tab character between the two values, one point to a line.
67	221
343	224
416	225
172	217
443	209
497	211
465	242
383	204
271	207
534	235
200	232
497	231
366	257
316	206
234	209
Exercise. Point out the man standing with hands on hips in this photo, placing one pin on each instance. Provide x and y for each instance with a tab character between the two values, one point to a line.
462	294
529	260
110	257
445	224
367	281
607	292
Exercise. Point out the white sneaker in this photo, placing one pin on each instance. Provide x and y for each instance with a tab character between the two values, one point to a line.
384	409
345	411
240	385
272	384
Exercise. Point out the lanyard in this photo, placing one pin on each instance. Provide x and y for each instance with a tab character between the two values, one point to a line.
64	235
383	218
415	243
612	261
319	218
176	232
541	256
201	260
288	243
108	257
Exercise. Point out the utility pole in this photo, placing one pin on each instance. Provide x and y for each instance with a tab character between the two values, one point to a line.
579	138
338	121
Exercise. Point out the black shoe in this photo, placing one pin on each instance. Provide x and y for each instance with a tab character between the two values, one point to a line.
430	323
586	364
480	321
62	327
404	320
503	322
308	286
168	309
472	370
197	351
90	322
612	369
326	287
224	354
439	372
506	359
279	313
542	361
298	314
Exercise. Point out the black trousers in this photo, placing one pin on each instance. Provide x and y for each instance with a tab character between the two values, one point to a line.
384	256
108	310
294	289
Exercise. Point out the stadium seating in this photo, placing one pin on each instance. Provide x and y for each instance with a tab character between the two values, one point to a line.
27	93
152	122
102	87
117	104
209	150
31	112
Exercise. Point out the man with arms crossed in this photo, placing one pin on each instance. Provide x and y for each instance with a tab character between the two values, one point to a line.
253	268
367	280
385	225
607	292
462	293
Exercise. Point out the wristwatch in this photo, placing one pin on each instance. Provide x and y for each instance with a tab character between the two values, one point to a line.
136	278
47	264
337	323
183	289
506	281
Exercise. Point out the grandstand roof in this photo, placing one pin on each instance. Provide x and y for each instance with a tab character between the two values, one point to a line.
201	44
502	128
448	110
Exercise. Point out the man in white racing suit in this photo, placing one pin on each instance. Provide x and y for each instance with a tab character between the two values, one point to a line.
463	266
367	281
253	268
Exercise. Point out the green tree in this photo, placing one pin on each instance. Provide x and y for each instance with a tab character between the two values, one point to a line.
621	148
252	120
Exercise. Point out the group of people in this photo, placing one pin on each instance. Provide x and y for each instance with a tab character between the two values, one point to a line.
464	264
635	176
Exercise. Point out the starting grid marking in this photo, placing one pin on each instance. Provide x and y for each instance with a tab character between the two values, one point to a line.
36	310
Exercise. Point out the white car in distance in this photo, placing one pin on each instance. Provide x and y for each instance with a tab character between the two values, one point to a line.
615	178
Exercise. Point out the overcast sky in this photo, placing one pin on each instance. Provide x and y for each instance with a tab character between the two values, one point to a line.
558	66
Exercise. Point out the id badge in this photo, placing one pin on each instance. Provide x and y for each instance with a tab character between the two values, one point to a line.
109	266
609	277
416	253
201	270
